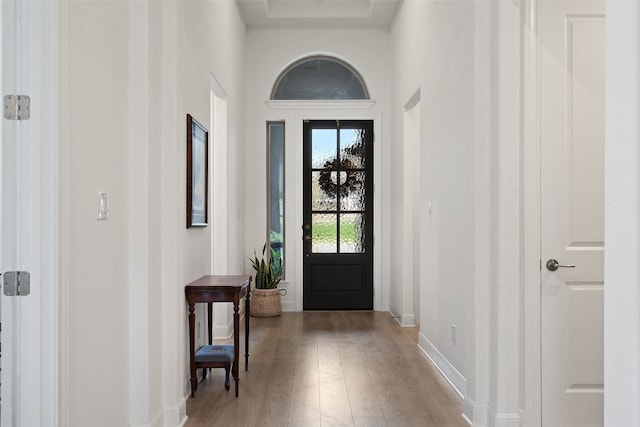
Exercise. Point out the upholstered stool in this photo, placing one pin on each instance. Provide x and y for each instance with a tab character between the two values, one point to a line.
215	356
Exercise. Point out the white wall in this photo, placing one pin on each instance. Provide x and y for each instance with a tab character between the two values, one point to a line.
409	231
96	276
433	47
130	72
463	57
268	53
622	216
201	55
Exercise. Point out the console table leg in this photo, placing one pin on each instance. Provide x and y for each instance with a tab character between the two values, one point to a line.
192	349
236	341
247	314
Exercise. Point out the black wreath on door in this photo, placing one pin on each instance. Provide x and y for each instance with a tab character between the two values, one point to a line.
334	171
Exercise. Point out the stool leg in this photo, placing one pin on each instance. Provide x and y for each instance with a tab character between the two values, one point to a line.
194	386
226	382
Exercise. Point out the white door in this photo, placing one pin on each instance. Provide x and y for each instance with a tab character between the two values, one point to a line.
28	212
572	212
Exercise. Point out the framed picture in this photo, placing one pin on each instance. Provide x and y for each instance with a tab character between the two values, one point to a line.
197	173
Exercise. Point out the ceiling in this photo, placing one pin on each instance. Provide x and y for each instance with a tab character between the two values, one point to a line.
319	13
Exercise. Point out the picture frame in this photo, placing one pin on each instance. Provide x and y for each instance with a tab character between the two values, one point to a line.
197	173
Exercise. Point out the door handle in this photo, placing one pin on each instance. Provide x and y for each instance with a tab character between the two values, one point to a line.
306	237
553	265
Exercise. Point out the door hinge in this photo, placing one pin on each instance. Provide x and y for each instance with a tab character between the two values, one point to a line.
17	107
17	283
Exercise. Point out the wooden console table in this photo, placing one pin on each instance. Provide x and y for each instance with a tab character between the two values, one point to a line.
212	289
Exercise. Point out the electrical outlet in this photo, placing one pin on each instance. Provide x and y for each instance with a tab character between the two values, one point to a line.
453	334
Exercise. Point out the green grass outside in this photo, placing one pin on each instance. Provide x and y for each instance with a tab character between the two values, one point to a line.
327	232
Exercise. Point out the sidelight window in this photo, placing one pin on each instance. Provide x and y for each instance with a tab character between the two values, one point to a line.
275	190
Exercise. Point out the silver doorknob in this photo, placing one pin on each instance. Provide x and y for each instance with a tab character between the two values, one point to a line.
553	265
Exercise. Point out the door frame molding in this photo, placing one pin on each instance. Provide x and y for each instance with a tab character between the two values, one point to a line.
294	113
340	111
51	212
42	352
531	105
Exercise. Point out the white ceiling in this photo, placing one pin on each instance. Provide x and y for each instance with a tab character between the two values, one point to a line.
319	13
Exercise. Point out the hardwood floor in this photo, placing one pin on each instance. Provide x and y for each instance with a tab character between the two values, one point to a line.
329	369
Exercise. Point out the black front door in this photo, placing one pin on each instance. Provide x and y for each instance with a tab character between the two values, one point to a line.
338	215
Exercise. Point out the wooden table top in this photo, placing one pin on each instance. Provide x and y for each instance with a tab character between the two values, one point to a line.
215	281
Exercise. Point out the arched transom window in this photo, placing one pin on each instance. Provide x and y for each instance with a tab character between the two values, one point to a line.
319	77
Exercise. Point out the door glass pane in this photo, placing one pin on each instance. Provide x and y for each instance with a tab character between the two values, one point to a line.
321	200
352	233
324	230
324	146
352	191
352	147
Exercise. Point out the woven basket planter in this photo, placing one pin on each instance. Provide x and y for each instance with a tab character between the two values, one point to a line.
265	302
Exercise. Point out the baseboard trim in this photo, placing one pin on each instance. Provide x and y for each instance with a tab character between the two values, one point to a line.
474	414
156	422
223	331
408	320
288	305
182	412
450	373
394	314
176	416
506	420
404	320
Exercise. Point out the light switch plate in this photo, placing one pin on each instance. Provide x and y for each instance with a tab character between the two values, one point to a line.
103	206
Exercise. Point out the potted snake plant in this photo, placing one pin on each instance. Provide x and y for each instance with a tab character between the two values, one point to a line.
265	298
